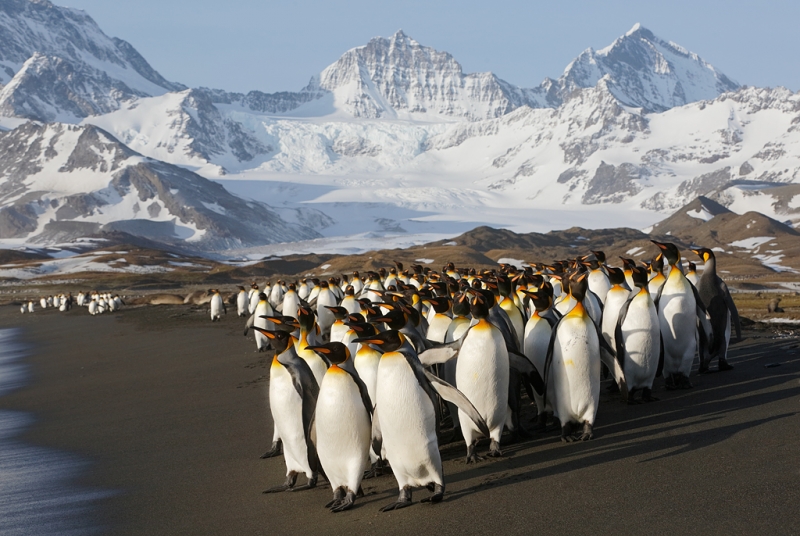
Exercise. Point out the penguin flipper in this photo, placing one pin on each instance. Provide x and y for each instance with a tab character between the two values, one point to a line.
660	368
308	389
451	394
522	364
726	294
250	322
618	339
377	436
438	355
548	361
610	358
362	390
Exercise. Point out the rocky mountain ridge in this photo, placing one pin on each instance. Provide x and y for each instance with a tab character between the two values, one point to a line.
392	136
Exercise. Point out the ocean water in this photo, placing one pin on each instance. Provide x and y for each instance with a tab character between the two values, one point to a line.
37	493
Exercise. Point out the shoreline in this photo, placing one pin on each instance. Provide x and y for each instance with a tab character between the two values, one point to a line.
172	412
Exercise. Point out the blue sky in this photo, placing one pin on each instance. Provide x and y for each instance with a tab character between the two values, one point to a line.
241	45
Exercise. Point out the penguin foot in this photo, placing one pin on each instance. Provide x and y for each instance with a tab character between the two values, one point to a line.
613	387
291	479
647	396
403	500
338	497
724	365
588	432
344	504
379	468
311	484
630	399
541	423
438	493
566	433
472	456
703	369
494	450
275	450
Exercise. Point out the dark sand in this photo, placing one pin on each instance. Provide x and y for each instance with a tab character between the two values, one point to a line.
172	412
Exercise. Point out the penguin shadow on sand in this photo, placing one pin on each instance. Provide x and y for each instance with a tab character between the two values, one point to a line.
650	432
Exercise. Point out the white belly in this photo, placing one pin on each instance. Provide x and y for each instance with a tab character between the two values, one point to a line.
537	338
408	424
343	430
576	370
216	307
641	336
287	414
678	323
614	302
241	304
482	374
437	327
366	362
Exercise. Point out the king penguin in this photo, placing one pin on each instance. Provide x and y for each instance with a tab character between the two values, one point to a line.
537	338
242	303
259	320
573	355
406	417
217	305
482	374
293	393
679	309
716	298
637	339
615	298
342	426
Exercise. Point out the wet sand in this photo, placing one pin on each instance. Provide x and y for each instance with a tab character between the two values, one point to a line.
171	411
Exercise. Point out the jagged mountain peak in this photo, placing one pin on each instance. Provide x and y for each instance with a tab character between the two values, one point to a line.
647	72
397	77
61	66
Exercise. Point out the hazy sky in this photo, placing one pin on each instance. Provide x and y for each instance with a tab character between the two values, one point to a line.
241	45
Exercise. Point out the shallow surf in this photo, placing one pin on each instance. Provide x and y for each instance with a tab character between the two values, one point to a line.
37	491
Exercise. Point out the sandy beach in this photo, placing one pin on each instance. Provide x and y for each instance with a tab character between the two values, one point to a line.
170	412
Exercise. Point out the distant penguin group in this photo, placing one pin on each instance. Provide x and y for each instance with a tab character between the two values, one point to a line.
366	368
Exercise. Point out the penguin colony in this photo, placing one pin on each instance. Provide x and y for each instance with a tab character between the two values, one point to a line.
96	302
366	368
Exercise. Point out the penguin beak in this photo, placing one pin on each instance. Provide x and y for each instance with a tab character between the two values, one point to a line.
367	340
660	245
265	332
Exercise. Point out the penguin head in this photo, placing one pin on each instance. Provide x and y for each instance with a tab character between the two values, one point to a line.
283	323
279	340
692	267
615	275
639	276
334	352
628	263
670	251
600	256
543	298
362	329
349	291
305	318
440	304
241	288
578	285
396	318
461	304
387	341
479	305
339	313
704	253
262	296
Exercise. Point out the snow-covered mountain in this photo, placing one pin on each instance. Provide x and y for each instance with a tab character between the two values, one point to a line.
645	72
392	137
62	182
56	64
